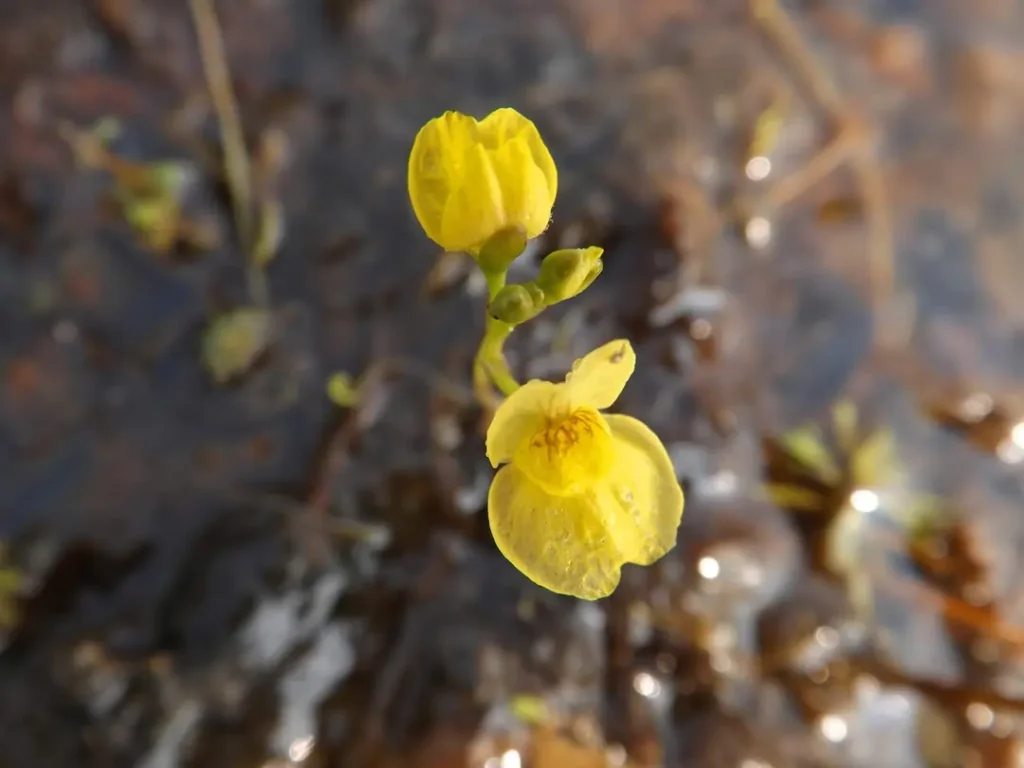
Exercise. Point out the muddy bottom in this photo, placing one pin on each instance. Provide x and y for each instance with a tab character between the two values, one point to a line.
811	216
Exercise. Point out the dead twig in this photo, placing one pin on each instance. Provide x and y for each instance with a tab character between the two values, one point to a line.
237	168
851	145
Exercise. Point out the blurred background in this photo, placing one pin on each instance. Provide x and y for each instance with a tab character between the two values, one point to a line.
242	480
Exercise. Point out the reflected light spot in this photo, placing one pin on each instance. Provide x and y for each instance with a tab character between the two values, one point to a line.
1017	435
833	728
976	407
723	636
721	662
865	501
1009	451
300	749
867	686
758	232
615	756
751	575
700	329
719	485
646	685
827	637
980	716
708	567
758	168
819	676
511	759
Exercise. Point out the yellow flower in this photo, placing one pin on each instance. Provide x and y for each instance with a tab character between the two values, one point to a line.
469	180
582	492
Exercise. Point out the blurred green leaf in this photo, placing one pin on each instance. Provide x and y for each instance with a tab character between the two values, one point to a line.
794	497
805	445
532	710
269	234
875	463
11	582
234	341
342	390
767	130
844	419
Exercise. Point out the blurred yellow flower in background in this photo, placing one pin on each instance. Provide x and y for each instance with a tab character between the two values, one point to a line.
582	492
469	180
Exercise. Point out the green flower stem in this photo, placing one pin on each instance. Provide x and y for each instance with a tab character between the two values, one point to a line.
490	365
493	355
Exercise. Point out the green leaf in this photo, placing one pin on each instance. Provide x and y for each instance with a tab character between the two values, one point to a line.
234	341
875	462
805	445
844	420
342	391
270	233
767	129
532	710
794	497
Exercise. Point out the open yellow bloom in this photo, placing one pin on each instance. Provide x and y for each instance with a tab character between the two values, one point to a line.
469	179
582	492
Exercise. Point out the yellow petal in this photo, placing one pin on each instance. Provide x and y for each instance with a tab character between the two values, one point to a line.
598	378
520	416
528	200
504	125
476	208
641	502
560	543
468	179
501	126
432	173
569	454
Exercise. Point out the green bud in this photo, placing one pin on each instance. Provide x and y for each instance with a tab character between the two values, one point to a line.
516	304
501	249
565	273
595	270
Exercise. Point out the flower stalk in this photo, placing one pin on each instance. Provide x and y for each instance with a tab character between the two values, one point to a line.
578	492
490	366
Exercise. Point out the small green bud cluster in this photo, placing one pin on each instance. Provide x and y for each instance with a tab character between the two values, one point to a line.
563	274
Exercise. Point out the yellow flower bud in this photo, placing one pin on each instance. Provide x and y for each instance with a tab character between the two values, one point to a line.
469	179
516	304
565	273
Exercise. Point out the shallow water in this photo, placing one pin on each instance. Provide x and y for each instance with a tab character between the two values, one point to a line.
246	575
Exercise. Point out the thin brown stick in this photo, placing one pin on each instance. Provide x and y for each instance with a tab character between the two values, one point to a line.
850	145
828	158
783	32
951	694
237	168
881	259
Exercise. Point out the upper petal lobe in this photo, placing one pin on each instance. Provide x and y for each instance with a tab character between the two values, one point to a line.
598	378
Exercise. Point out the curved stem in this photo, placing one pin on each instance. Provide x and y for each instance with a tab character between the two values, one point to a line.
491	350
489	366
